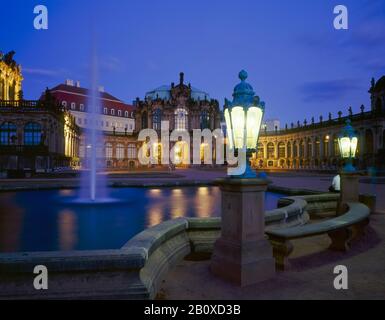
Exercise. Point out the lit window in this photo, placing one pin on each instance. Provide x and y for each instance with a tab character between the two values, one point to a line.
180	119
131	151
156	119
108	150
120	151
112	112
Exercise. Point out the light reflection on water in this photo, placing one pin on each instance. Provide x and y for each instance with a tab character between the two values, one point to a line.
41	221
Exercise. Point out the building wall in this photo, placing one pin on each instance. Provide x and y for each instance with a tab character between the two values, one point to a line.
54	141
315	146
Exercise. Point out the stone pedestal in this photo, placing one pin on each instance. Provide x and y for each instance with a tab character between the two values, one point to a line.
349	190
242	254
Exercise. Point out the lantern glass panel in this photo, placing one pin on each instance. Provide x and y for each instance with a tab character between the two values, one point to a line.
353	146
344	147
253	122
228	128
238	122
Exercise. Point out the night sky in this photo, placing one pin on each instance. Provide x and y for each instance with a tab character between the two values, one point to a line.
297	62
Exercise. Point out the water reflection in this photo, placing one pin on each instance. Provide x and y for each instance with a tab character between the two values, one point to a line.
178	203
41	221
67	223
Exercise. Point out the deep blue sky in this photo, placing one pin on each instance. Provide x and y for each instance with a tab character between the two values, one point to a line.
297	62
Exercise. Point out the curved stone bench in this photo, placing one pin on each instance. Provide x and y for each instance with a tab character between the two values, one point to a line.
341	230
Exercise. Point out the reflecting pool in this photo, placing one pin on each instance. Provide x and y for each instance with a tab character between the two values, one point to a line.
44	220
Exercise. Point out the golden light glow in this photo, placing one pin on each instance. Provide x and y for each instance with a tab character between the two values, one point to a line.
238	122
228	128
254	120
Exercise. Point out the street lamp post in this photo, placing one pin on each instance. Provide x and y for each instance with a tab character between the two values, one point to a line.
242	254
243	118
347	142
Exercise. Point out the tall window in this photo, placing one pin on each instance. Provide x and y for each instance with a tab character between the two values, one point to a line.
105	110
260	150
126	114
81	107
119	113
112	112
120	151
144	120
131	151
270	150
64	104
73	105
32	133
7	133
281	150
156	119
108	151
180	119
204	120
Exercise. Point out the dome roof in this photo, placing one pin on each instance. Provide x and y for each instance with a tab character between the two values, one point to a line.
380	85
164	93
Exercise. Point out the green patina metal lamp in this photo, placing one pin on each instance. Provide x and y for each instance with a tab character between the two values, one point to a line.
348	142
243	118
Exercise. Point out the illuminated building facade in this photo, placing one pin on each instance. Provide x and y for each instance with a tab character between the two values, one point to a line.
314	145
184	107
35	136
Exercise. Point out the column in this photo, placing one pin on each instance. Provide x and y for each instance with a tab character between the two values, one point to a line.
242	254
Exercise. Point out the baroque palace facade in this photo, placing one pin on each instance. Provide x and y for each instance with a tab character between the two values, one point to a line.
185	108
34	135
315	146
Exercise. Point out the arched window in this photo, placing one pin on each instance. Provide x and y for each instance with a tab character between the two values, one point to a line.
131	151
108	151
105	110
32	133
120	151
126	114
144	120
336	146
260	151
64	104
289	155
317	148
73	105
309	148
119	113
301	149
295	149
156	119
81	107
112	112
7	133
270	150
204	120
281	150
180	119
